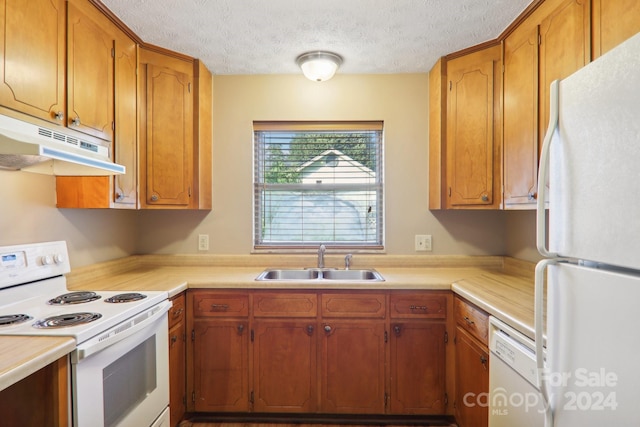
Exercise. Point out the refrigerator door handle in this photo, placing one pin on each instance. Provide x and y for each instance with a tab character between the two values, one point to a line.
538	323
541	215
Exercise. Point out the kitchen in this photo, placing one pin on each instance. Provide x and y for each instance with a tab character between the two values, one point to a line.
94	236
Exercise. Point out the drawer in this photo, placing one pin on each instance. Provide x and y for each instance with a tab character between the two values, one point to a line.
281	304
214	304
177	312
472	319
417	305
348	305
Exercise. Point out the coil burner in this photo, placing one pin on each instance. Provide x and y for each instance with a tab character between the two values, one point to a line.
14	319
74	298
64	320
128	297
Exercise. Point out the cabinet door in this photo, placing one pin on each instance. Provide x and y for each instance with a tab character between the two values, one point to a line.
32	46
285	368
90	51
169	137
613	21
417	364
520	119
472	381
177	378
352	372
126	146
470	130
221	365
564	48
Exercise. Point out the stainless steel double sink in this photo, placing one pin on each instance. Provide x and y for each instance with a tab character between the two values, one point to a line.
317	274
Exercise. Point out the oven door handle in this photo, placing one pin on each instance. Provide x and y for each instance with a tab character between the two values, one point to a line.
120	331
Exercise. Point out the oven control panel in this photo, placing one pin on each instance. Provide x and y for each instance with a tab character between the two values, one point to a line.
36	261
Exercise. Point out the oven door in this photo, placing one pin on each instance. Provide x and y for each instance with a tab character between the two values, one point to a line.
121	377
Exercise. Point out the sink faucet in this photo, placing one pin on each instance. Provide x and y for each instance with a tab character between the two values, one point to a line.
347	261
321	250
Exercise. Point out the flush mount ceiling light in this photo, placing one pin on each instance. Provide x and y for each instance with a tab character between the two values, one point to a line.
319	66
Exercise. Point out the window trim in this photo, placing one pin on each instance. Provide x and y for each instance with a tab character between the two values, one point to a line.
289	126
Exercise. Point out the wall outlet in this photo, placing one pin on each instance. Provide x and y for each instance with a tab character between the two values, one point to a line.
423	242
203	242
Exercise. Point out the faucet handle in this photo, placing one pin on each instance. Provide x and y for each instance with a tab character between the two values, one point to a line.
347	261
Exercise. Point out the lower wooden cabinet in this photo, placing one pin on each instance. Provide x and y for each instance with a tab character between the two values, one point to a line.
352	371
41	399
472	366
285	366
338	352
417	367
177	360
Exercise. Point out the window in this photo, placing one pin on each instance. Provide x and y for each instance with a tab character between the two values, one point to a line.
318	183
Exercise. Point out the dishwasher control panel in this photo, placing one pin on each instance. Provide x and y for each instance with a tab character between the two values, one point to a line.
514	348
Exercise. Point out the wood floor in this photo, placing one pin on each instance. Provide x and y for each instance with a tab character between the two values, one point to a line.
203	422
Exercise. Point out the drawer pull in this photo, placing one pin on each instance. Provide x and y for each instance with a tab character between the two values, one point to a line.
418	307
469	321
178	312
219	307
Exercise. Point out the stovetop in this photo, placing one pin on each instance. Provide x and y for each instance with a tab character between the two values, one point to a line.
32	285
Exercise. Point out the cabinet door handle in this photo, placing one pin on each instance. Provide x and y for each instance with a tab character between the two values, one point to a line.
174	339
59	116
397	330
240	329
76	121
154	198
485	198
310	330
219	307
469	321
483	360
327	329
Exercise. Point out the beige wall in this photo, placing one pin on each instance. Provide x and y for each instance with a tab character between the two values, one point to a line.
399	100
28	214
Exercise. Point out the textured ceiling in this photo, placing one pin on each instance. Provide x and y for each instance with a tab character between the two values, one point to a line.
266	36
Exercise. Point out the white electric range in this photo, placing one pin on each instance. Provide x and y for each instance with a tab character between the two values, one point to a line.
119	369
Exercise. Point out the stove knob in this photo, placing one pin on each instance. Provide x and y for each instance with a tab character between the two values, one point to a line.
58	258
46	260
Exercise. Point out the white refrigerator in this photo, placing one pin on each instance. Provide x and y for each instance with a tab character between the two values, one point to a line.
590	176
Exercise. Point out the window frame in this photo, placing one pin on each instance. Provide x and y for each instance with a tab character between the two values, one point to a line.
259	186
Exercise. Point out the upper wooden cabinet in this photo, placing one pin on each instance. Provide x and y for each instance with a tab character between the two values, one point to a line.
33	49
551	44
613	21
551	40
162	113
470	143
90	81
171	140
52	53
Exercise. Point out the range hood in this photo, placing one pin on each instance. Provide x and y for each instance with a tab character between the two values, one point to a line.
33	148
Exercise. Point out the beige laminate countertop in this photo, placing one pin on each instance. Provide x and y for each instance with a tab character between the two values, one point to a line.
21	356
501	286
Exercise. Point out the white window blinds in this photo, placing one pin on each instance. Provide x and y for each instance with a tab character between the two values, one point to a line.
318	183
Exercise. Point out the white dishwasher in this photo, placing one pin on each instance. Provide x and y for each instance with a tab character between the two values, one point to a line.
514	398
